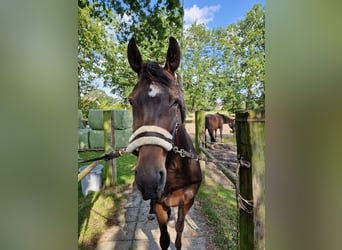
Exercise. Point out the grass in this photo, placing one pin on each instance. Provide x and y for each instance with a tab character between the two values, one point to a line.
230	139
219	205
97	210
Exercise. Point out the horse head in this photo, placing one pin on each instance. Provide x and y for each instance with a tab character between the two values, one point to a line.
228	120
157	104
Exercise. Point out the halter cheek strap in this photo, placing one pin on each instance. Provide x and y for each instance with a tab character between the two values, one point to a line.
150	135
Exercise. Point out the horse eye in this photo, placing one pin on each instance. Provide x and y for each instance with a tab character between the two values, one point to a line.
131	102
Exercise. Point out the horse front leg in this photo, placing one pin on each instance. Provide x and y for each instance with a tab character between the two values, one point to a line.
211	133
182	212
221	133
162	216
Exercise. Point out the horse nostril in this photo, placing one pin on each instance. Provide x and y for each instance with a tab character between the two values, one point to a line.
161	179
140	188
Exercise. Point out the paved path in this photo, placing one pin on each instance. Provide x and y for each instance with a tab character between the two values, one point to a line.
135	231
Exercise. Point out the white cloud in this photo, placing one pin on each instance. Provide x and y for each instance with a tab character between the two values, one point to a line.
200	15
127	19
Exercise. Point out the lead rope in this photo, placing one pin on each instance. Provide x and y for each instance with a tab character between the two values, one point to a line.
107	156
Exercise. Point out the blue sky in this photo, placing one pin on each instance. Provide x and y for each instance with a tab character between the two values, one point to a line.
217	13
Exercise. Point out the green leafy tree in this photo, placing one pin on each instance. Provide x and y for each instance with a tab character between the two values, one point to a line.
226	64
245	59
151	23
98	99
197	76
148	20
219	65
95	47
103	55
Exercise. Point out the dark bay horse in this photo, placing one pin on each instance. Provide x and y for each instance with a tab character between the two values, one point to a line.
216	121
162	175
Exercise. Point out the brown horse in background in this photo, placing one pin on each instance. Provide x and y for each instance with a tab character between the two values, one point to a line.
162	174
216	121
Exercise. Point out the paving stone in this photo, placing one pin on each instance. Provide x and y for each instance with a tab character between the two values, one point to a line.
136	232
147	230
128	214
123	231
150	244
113	245
134	200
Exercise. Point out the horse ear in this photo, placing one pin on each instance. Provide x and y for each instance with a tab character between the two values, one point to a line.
134	56
173	55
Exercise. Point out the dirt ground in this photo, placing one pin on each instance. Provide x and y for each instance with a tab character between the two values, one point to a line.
223	152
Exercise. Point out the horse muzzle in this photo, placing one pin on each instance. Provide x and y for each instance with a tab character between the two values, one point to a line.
150	173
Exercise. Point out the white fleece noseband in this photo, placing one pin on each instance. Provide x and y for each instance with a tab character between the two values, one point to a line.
150	135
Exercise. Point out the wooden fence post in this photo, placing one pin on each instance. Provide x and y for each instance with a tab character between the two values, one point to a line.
251	178
200	137
109	146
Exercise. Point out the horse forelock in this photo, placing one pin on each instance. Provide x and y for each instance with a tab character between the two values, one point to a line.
152	72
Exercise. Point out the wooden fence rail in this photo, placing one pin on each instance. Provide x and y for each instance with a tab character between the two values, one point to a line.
229	174
86	171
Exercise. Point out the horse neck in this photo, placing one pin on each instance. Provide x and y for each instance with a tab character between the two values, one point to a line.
226	119
187	170
182	140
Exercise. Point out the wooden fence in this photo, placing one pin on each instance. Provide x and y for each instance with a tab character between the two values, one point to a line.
114	121
250	177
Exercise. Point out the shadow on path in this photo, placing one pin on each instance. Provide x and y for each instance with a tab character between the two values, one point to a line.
133	230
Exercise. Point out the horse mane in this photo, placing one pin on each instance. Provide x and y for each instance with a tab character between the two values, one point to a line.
153	72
